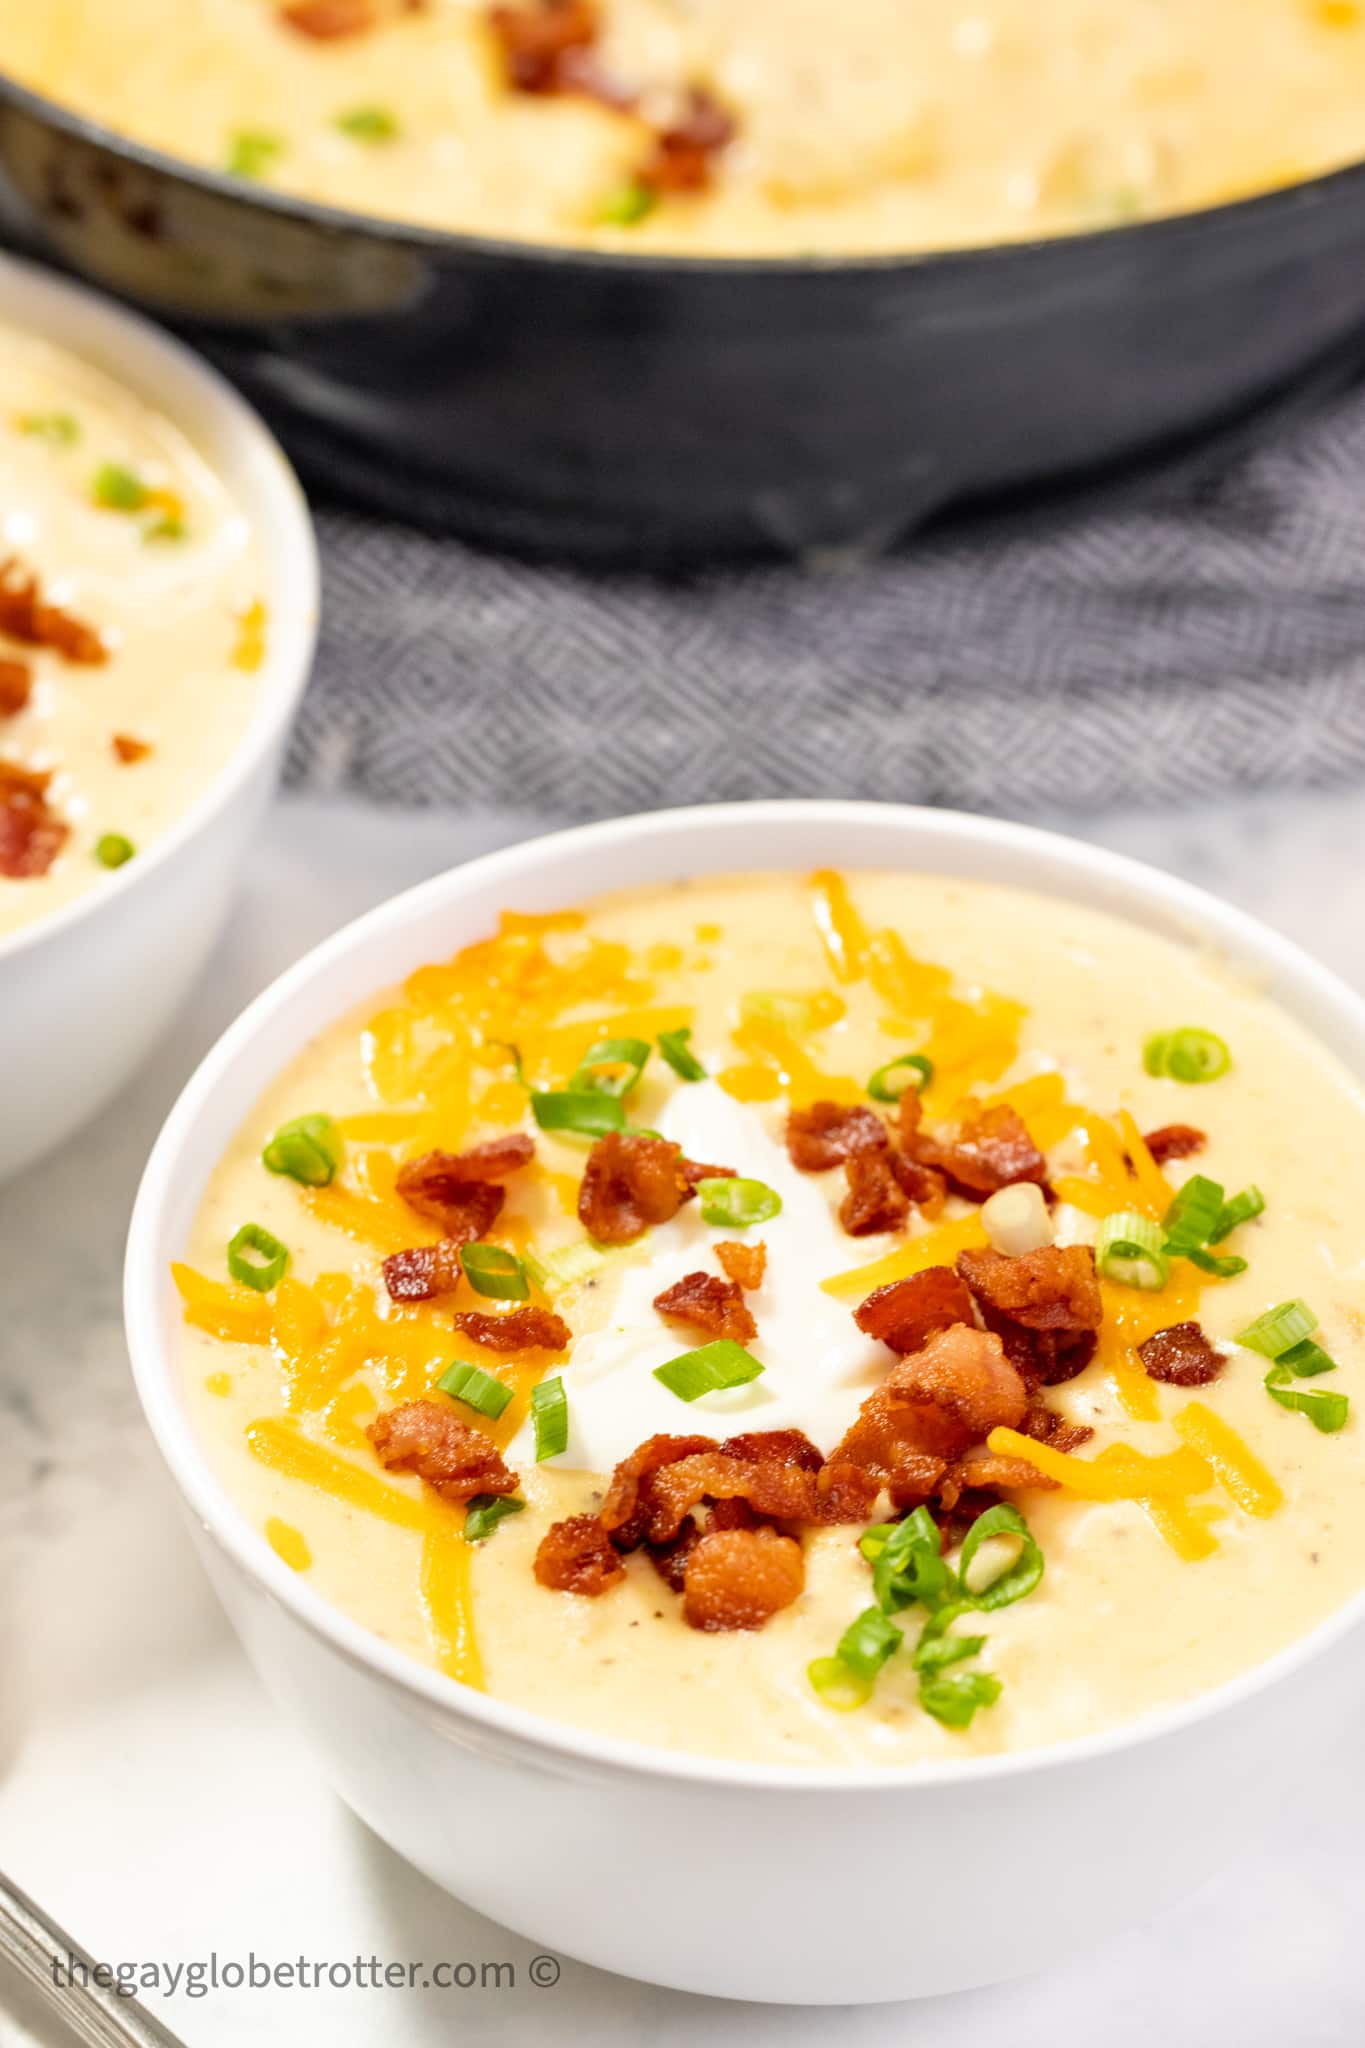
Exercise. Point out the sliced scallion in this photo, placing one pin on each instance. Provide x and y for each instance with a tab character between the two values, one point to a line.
308	1149
709	1370
256	1258
58	429
494	1271
484	1513
251	152
369	124
1307	1360
953	1697
676	1050
590	1113
737	1203
112	850
476	1388
1326	1411
867	1642
907	1563
837	1686
1190	1055
937	1647
1018	1578
1193	1216
1223	1266
1129	1250
628	205
1279	1329
550	1418
565	1267
611	1067
908	1070
116	488
1241	1209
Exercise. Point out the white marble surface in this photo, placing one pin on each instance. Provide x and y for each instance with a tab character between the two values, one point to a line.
152	1800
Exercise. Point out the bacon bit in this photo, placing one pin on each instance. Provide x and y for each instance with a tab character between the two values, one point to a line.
1174	1141
129	750
436	1185
983	1471
906	1313
1181	1356
694	1173
899	1443
827	1133
631	1182
964	1372
455	1460
734	1513
523	1329
16	687
745	1264
876	1201
778	1491
704	1302
543	44
576	1556
670	1559
926	1189
25	617
774	1447
739	1578
1046	1426
683	154
328	20
625	1511
991	1151
1044	1305
845	1493
425	1272
32	834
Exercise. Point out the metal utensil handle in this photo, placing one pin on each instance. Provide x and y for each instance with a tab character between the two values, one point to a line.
42	1952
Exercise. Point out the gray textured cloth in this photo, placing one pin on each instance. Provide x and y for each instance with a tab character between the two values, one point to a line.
1200	628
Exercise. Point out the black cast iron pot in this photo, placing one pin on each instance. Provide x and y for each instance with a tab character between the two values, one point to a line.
666	408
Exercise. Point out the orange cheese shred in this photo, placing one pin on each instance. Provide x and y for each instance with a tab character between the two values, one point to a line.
1118	1473
842	933
1255	1490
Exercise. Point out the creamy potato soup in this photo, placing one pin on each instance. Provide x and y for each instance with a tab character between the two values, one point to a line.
738	127
872	1318
131	627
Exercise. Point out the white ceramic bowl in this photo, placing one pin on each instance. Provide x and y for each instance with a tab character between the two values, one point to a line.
763	1882
85	992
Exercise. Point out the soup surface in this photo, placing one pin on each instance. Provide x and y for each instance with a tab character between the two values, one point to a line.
131	627
753	127
1190	1530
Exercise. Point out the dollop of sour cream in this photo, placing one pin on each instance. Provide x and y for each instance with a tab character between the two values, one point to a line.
818	1365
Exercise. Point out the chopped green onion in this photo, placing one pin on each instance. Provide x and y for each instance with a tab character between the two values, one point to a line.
308	1149
251	152
112	850
118	488
1193	1216
1279	1329
550	1418
737	1203
476	1388
794	1013
493	1271
709	1370
867	1642
1128	1249
1307	1360
166	528
837	1686
484	1513
954	1698
907	1562
1223	1268
1187	1055
368	124
1241	1209
588	1112
611	1067
936	1647
918	1073
58	429
264	1270
1018	1578
565	1267
674	1047
1326	1411
628	204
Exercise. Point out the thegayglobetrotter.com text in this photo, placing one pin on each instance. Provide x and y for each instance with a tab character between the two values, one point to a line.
253	1972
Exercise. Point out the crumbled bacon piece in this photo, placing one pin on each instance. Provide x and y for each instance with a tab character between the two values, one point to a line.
625	1511
1174	1141
745	1264
1044	1305
827	1133
1181	1356
774	1447
16	686
740	1578
630	1182
779	1491
845	1492
1046	1426
543	42
464	1205
983	1472
425	1272
328	20
129	749
429	1439
927	1189
25	617
705	1302
906	1313
875	1201
991	1151
576	1556
496	1159
900	1443
32	834
965	1374
670	1559
521	1329
683	156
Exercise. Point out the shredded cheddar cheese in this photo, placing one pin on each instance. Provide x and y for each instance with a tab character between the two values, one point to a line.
1241	1472
1118	1472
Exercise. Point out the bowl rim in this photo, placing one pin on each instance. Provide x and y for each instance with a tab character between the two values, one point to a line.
155	1367
131	349
318	213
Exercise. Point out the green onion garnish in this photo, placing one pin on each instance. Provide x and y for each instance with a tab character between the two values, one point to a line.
794	1013
1129	1249
590	1113
550	1418
118	488
737	1203
629	204
937	1648
709	1370
476	1388
1223	1267
611	1067
484	1513
493	1271
369	124
566	1267
256	1257
1241	1209
1187	1055
251	152
954	1698
1307	1360
915	1070
58	429
907	1562
167	528
1326	1411
867	1642
1193	1216
112	850
1018	1578
308	1149
1284	1334
674	1047
1279	1329
837	1686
